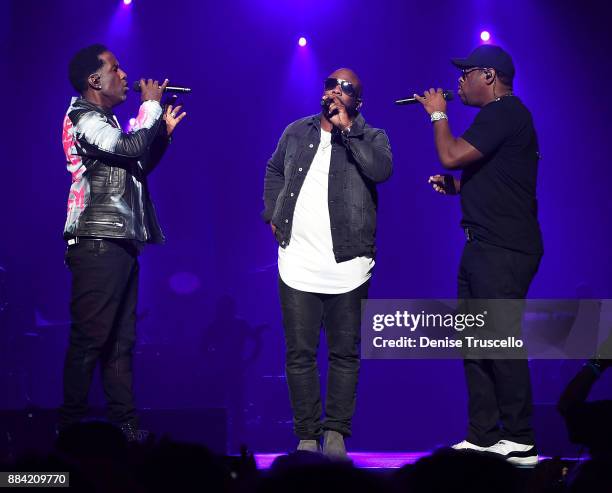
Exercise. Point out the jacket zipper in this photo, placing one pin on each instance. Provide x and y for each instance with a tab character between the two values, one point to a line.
111	223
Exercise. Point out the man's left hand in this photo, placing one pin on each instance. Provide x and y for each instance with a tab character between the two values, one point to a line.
172	118
340	118
432	100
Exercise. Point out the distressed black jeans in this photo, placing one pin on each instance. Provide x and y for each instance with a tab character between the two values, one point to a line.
303	315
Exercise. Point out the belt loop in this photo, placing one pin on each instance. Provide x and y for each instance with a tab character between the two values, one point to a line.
97	245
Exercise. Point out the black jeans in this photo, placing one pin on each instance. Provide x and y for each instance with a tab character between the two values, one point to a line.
103	312
499	390
340	315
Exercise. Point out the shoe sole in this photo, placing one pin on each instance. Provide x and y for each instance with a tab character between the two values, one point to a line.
476	448
524	461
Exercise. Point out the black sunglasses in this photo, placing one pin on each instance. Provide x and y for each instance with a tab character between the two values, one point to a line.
345	86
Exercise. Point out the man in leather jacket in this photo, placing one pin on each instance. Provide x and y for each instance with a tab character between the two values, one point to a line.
321	202
110	218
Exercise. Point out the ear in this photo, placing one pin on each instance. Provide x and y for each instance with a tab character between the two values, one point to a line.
490	75
94	81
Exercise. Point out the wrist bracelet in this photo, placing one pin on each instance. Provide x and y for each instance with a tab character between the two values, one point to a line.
438	115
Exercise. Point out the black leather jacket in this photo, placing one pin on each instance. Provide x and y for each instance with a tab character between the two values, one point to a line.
109	196
360	159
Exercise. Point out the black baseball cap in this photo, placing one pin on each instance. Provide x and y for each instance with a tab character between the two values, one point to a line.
487	56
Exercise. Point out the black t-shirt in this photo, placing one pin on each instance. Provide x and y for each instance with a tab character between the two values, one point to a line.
498	193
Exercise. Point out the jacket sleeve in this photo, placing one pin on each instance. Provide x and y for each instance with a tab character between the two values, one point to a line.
275	178
99	139
157	150
373	156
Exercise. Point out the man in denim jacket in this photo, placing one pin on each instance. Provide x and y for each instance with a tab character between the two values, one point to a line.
321	202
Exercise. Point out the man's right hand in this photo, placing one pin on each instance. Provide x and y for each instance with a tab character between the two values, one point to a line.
151	90
438	184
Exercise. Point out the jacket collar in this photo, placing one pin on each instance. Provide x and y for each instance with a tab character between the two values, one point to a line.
81	102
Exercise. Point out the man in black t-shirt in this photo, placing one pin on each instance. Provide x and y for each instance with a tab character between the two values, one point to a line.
498	156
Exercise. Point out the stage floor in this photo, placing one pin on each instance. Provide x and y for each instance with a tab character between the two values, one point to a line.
370	460
364	460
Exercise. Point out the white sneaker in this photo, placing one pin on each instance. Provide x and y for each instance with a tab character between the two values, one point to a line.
465	445
516	453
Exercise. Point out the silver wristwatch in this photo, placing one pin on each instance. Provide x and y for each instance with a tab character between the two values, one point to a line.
438	115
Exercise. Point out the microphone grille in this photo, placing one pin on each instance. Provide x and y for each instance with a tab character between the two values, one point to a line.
449	95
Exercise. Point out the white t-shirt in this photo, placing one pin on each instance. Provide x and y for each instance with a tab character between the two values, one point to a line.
308	262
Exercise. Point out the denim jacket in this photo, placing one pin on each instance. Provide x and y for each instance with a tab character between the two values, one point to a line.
360	160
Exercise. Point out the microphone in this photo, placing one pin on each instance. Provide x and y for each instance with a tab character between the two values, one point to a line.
326	103
182	90
448	95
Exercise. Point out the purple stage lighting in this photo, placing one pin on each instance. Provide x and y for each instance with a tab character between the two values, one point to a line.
184	282
485	36
302	41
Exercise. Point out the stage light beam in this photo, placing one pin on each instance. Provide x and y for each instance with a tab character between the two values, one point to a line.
302	41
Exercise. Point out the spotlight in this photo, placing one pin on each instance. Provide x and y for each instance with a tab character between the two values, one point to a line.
302	41
127	2
132	122
485	36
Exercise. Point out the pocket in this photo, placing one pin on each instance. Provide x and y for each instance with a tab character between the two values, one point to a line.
102	222
109	223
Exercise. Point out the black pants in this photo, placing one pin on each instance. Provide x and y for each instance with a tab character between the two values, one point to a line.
499	390
340	315
103	311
